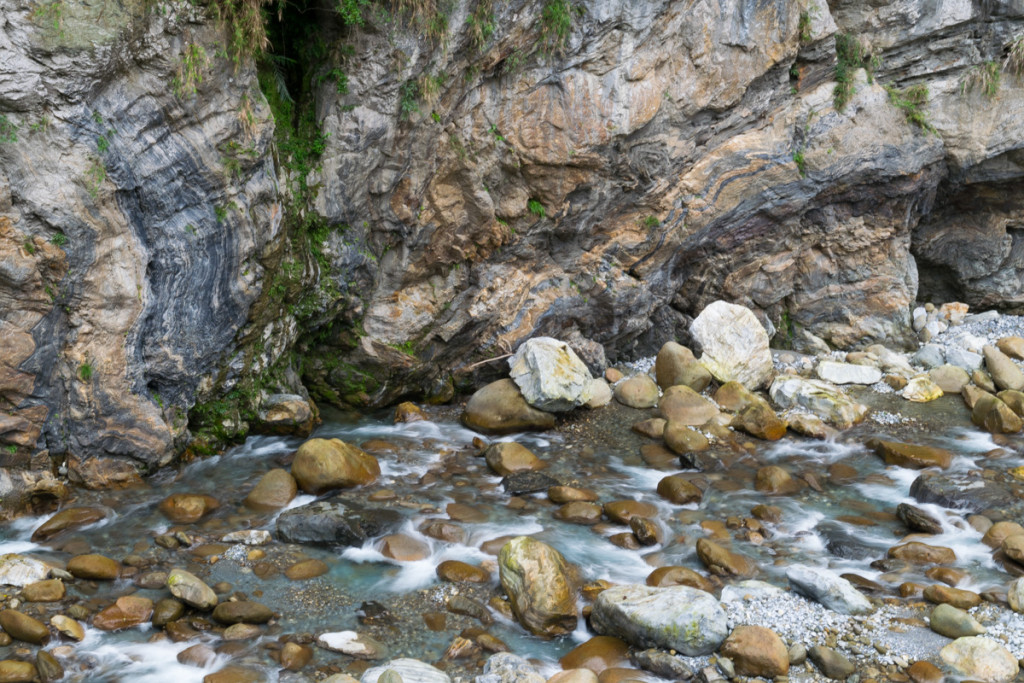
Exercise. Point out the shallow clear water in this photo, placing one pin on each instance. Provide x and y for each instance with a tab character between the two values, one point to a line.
431	464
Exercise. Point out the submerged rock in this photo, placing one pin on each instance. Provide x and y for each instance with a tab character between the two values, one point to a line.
735	345
335	522
499	408
674	617
68	518
550	375
911	456
536	578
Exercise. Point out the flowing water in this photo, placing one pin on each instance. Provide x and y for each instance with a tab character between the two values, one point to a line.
430	465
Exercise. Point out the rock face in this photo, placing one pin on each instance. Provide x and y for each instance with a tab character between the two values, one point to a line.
536	578
680	618
157	264
550	375
735	345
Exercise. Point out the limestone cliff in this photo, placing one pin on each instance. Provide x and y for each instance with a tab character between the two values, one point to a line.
472	175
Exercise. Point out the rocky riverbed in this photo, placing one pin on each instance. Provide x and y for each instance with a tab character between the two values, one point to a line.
836	526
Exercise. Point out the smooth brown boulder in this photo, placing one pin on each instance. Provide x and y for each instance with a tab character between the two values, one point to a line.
15	671
1000	531
235	674
50	590
676	364
756	651
23	627
324	464
646	531
1005	373
678	576
68	518
94	567
569	494
186	508
653	428
1013	548
683	439
684	405
167	610
679	490
723	562
295	656
459	572
621	511
994	416
403	548
921	553
941	594
1013	399
760	421
638	391
971	394
408	411
910	456
509	457
499	408
925	672
775	481
273	491
242	612
579	512
443	530
67	627
129	611
306	569
597	654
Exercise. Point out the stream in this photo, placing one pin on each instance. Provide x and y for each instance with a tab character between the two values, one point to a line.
430	470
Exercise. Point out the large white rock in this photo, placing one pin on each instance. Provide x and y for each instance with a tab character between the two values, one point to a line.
735	345
672	617
351	643
825	400
18	570
550	375
981	659
411	671
847	373
828	588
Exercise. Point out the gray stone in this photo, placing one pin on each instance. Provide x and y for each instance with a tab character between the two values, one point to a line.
19	570
191	590
930	356
962	358
845	373
550	375
828	588
336	522
680	618
950	378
